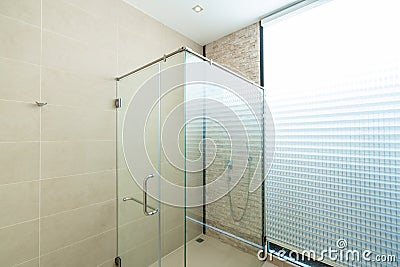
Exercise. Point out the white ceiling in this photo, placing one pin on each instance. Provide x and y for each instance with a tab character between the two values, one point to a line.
219	17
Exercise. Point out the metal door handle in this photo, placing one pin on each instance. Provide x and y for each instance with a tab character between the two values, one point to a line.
136	200
153	211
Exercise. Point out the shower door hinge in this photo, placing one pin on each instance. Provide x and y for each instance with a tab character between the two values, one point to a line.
118	103
118	261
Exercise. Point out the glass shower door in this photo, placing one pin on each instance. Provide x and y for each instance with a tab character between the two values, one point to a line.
139	242
150	160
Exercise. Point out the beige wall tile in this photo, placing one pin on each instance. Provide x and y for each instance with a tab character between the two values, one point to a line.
63	229
71	123
74	22
70	89
90	252
19	162
67	54
129	211
126	185
26	10
70	158
30	263
109	263
19	81
19	121
156	40
143	255
134	234
128	16
128	47
79	63
71	192
19	243
172	239
172	217
107	9
19	203
172	40
19	40
193	230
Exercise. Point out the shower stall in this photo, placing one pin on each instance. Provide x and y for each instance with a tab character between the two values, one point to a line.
190	164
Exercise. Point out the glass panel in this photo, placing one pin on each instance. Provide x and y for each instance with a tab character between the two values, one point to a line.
138	238
163	130
172	159
224	137
334	95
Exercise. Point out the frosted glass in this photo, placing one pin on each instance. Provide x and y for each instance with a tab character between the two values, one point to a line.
333	78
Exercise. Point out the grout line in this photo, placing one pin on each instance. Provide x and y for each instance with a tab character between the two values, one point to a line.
80	140
77	242
58	177
181	247
83	107
18	61
21	21
40	128
145	242
19	264
58	213
93	15
133	221
78	174
19	101
112	260
78	208
15	224
86	76
20	182
17	142
97	109
67	37
86	44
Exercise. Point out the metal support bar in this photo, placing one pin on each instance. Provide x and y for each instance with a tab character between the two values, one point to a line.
186	49
152	63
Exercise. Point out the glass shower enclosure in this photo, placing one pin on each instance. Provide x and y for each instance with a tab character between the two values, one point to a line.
190	160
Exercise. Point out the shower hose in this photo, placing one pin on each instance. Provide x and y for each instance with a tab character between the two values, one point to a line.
233	215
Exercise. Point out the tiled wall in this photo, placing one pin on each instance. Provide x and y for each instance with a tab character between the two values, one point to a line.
239	51
57	162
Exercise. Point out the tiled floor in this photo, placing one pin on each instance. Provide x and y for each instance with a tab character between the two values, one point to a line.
211	253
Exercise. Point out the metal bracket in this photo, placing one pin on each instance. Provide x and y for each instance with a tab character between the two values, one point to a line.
118	103
40	104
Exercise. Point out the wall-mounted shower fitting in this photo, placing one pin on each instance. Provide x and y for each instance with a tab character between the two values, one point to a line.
40	104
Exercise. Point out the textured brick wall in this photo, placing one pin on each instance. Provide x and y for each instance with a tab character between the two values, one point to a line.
239	51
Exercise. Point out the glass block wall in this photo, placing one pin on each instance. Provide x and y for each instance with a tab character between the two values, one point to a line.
333	74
